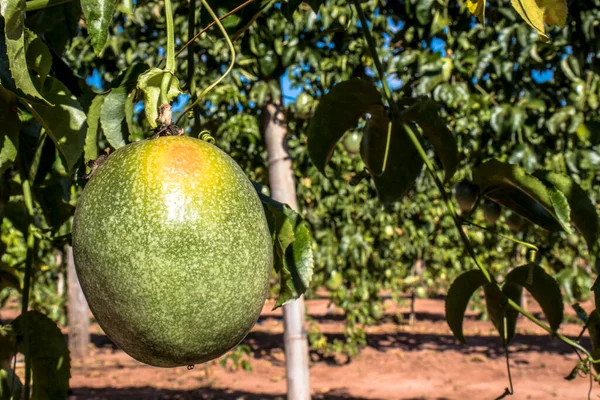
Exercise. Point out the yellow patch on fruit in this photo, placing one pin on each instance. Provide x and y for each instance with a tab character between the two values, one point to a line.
177	160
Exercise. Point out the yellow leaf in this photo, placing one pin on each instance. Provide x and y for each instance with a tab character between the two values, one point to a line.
477	8
555	11
531	12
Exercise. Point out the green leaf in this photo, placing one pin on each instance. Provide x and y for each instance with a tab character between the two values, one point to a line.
292	252
583	213
65	122
7	392
90	150
477	8
9	134
150	84
561	208
426	115
497	307
515	189
531	12
544	289
98	16
114	107
49	354
500	120
289	7
292	249
339	111
589	131
458	297
13	12
7	344
299	259
403	164
58	25
129	110
39	58
112	116
524	156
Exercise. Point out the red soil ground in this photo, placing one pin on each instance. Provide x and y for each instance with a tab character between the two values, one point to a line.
422	361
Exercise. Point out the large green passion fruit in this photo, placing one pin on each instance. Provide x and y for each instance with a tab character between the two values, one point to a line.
173	251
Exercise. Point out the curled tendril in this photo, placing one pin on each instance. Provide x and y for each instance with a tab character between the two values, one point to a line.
206	136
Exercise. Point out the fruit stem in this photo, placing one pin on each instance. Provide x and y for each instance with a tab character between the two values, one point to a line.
431	169
164	88
170	38
229	69
31	250
40	4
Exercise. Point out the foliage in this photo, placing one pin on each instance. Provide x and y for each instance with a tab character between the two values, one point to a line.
490	103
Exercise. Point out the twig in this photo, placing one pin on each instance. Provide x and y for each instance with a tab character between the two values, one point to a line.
192	40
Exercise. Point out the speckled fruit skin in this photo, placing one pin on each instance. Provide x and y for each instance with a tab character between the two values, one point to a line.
173	251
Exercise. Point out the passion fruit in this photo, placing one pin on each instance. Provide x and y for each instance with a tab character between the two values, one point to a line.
491	212
173	251
465	193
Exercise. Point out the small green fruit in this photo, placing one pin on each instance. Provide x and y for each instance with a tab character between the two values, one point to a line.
304	103
352	142
514	222
466	195
573	240
491	212
173	251
376	310
335	281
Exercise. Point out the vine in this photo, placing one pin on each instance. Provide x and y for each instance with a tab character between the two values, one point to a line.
432	171
229	69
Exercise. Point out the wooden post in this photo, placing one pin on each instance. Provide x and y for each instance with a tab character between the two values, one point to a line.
283	189
77	312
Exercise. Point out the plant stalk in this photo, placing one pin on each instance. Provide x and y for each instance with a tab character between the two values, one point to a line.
170	37
31	250
191	60
528	245
41	4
